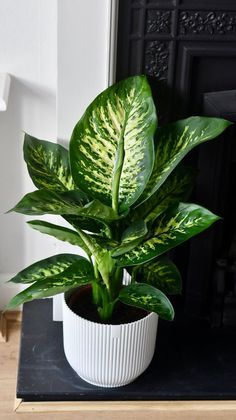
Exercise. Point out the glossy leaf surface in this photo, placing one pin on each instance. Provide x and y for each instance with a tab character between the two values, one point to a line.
66	203
59	232
48	164
147	297
111	148
161	273
48	267
174	141
42	201
176	188
175	227
79	273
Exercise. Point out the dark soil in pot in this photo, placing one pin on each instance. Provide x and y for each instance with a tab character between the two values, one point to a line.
80	302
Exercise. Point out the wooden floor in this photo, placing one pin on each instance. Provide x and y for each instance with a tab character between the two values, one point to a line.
90	411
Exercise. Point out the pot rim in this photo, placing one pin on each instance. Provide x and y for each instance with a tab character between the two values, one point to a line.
149	315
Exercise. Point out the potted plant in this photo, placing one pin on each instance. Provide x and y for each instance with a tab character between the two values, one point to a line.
121	189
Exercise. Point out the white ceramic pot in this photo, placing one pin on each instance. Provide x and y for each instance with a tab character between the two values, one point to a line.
108	355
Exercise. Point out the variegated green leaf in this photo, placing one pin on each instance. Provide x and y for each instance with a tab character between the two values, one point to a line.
111	148
79	273
48	267
176	188
64	234
43	201
131	237
171	229
59	232
147	297
161	273
48	164
63	203
174	141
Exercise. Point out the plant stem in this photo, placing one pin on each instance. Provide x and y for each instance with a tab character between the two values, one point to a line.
117	277
96	272
108	232
85	239
99	254
105	312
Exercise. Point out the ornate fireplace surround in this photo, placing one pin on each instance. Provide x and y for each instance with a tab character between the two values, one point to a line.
188	50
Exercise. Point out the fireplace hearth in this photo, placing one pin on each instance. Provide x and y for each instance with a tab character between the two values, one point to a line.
192	361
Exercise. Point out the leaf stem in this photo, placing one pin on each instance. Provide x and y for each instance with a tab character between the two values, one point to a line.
96	272
99	258
85	239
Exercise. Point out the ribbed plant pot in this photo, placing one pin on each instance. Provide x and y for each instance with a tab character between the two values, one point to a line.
108	355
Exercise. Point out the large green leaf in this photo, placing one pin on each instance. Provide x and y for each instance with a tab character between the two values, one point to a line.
59	232
147	297
161	273
50	202
68	235
48	267
79	273
111	148
176	188
48	164
174	141
171	229
64	203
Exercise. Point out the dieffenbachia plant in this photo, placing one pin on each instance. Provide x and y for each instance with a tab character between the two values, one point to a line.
121	189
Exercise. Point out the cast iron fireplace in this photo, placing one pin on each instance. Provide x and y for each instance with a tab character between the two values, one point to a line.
187	49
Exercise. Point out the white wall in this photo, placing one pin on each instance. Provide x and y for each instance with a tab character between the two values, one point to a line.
83	63
28	53
47	98
83	58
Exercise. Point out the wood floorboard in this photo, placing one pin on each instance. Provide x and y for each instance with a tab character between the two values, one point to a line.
150	411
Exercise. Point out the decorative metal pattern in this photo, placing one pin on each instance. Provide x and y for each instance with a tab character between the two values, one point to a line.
205	22
158	21
156	59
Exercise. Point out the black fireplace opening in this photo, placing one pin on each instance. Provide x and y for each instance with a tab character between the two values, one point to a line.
188	51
